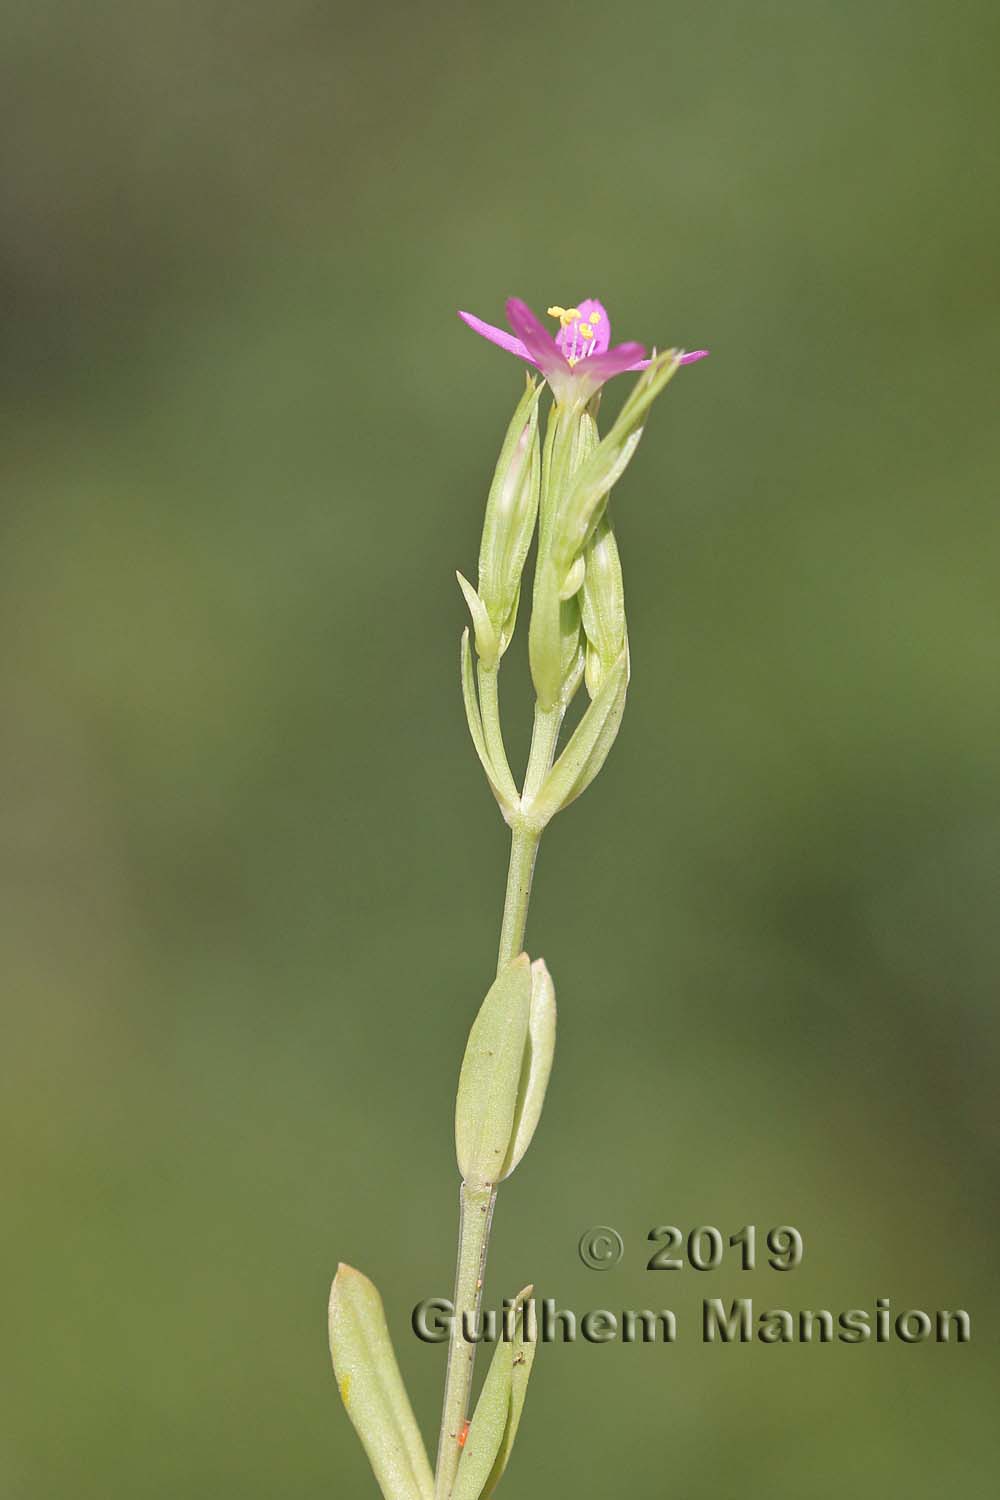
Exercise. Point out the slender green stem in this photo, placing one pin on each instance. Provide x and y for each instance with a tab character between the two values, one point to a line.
475	1217
523	849
525	836
476	1204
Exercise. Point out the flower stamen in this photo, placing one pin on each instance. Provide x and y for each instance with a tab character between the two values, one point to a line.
582	332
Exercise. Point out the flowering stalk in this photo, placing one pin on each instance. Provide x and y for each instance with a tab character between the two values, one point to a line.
577	635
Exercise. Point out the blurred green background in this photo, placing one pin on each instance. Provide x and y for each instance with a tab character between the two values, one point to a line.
252	874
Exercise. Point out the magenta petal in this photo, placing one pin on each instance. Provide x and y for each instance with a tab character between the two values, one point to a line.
541	346
601	367
685	359
589	309
497	336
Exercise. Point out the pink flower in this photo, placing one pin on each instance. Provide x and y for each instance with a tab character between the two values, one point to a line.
578	361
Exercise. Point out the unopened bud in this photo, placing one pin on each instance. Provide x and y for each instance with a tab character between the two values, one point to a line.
511	510
602	604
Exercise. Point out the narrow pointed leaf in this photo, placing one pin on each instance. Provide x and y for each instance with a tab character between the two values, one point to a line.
372	1388
537	1066
585	501
487	1428
589	744
475	722
521	1363
489	1083
498	1411
487	645
606	735
591	487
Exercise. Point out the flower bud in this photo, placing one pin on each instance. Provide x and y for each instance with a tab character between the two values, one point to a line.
602	604
555	641
511	511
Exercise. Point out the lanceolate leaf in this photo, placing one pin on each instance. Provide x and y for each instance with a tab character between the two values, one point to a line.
487	1428
487	646
589	744
498	1413
475	722
523	1359
372	1389
491	1072
537	1063
608	731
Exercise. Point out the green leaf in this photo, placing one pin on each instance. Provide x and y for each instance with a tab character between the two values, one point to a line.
487	1428
487	645
372	1388
584	502
591	486
475	722
537	1065
491	1072
498	1412
523	1357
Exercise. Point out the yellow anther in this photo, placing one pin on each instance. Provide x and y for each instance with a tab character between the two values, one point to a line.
556	312
569	315
572	360
586	330
595	317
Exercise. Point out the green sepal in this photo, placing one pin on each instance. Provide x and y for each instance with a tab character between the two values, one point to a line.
489	1083
372	1388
